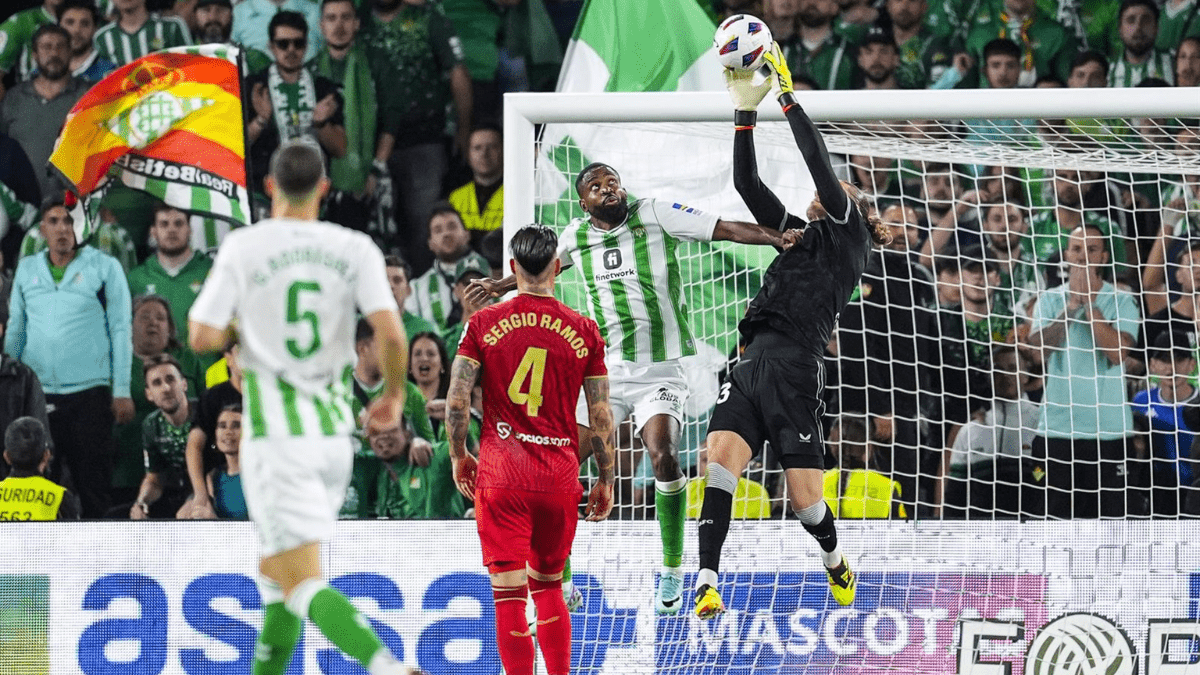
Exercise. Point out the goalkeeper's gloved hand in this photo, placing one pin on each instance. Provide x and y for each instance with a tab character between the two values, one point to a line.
781	75
747	88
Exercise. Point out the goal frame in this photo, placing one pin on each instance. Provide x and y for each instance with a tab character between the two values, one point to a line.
523	111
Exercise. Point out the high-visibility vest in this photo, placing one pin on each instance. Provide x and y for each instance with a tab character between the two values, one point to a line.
30	498
868	494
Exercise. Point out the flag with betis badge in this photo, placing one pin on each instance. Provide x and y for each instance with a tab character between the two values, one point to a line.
169	124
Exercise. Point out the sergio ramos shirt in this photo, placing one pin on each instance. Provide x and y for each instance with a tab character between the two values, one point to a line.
535	353
632	277
293	287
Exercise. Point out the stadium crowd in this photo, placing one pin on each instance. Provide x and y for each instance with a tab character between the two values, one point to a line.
1025	346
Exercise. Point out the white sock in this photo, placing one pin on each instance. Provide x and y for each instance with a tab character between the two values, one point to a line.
672	571
301	596
671	487
832	559
706	577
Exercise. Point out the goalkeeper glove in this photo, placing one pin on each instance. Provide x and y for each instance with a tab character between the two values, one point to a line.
747	88
781	76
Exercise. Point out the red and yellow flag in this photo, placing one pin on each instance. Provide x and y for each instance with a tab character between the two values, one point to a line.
181	106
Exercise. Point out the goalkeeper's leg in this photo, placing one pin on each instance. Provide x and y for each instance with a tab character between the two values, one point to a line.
728	455
806	492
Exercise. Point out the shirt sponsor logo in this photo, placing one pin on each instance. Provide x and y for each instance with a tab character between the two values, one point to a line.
612	258
619	274
504	430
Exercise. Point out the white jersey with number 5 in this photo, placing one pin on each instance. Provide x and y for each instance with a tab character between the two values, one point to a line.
293	287
632	278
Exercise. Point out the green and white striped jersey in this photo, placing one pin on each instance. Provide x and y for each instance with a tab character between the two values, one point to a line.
15	35
632	278
432	296
1125	74
293	287
159	32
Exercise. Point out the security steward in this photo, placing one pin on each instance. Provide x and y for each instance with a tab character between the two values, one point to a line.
26	494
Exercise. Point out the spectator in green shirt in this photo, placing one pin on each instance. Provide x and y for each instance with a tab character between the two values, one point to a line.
165	489
417	63
816	50
1179	19
924	55
175	271
1137	58
344	61
1046	45
407	490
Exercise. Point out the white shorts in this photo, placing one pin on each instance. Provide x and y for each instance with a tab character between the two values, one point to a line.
294	488
642	390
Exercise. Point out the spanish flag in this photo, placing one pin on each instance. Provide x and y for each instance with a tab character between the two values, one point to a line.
170	124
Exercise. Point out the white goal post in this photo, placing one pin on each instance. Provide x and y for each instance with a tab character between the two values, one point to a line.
523	111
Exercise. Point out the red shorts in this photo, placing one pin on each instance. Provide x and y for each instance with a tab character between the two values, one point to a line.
521	526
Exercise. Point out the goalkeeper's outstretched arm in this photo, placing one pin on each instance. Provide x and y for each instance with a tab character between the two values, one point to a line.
766	207
808	139
816	157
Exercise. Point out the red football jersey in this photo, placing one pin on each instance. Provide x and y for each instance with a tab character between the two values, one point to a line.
534	354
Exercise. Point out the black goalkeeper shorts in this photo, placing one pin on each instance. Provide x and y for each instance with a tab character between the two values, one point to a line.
773	395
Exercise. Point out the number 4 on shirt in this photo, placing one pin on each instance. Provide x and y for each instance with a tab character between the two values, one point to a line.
533	366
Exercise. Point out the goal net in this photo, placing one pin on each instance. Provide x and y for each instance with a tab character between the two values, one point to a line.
971	397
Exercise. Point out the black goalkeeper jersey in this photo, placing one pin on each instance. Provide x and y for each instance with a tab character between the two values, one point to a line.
806	288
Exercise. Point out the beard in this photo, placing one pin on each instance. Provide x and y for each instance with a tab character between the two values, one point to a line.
878	74
178	250
614	214
53	69
215	31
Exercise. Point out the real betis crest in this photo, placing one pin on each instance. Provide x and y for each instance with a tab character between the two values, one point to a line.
153	116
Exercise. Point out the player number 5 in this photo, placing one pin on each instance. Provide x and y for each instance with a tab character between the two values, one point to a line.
533	366
294	315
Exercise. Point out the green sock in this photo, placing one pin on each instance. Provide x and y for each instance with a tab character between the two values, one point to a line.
567	572
280	631
344	625
670	503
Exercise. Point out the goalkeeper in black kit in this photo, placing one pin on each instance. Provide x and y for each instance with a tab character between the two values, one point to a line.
774	392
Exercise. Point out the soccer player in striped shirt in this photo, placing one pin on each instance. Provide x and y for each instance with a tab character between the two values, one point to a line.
627	252
291	286
137	32
531	355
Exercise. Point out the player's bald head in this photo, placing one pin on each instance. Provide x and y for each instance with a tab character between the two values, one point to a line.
297	168
533	247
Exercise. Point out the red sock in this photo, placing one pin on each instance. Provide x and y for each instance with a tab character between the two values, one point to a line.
553	624
513	639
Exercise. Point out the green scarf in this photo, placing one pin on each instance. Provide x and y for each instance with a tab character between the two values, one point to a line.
349	173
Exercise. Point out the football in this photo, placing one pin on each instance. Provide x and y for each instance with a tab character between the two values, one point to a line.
741	41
